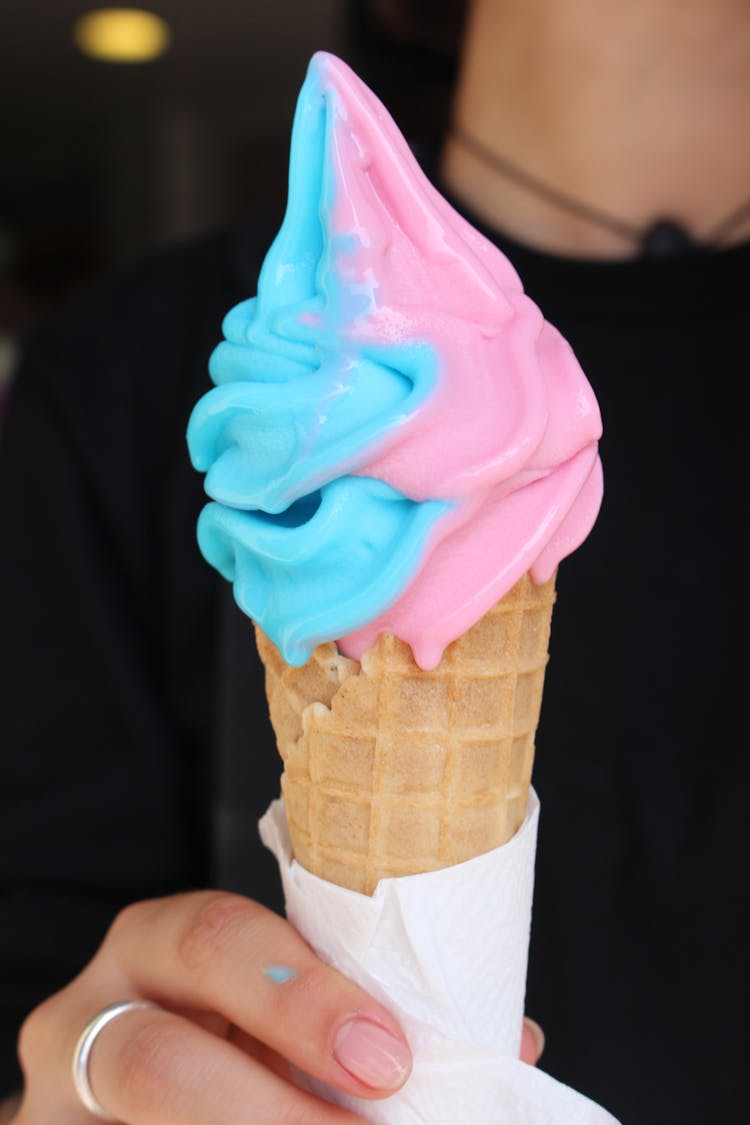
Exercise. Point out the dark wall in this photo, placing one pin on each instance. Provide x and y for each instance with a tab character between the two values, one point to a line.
100	162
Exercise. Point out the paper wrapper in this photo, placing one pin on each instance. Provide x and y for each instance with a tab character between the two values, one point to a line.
446	953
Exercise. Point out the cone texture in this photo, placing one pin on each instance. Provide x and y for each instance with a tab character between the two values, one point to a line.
390	770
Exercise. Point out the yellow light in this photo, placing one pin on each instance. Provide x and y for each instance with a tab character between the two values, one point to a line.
122	35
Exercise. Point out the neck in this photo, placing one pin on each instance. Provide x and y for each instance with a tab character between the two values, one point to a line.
637	109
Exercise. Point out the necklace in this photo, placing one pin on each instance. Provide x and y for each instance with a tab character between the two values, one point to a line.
664	238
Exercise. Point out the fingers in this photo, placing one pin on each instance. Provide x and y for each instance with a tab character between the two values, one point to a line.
227	954
532	1042
150	1066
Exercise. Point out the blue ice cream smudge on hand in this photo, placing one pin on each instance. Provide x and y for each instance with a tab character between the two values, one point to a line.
279	974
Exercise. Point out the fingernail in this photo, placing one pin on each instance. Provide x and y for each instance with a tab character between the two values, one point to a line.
372	1054
536	1033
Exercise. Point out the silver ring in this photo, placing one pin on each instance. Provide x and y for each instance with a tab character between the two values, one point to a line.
82	1052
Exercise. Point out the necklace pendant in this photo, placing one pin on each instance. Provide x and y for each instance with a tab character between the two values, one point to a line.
666	238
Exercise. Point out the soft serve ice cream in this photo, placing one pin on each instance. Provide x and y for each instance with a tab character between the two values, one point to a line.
396	434
396	438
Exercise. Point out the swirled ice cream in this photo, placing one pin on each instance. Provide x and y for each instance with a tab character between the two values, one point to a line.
396	434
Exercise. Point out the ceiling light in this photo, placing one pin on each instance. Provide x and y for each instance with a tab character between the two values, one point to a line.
122	35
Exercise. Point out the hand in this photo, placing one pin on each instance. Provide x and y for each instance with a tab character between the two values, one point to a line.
241	999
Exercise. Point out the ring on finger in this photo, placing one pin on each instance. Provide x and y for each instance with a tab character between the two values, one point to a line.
83	1048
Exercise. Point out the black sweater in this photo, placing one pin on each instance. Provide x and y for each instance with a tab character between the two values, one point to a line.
137	754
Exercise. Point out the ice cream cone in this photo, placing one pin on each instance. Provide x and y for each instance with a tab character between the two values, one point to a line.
390	770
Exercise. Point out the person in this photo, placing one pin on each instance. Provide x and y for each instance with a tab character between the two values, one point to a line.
603	148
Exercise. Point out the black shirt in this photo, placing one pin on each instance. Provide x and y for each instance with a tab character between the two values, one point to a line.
137	753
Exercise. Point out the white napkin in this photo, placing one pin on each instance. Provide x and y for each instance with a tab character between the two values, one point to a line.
446	952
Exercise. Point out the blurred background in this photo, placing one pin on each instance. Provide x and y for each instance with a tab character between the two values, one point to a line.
103	159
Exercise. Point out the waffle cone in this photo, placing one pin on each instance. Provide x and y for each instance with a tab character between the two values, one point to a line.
390	770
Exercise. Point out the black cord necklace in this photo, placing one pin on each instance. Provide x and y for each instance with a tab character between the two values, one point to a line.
664	238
